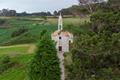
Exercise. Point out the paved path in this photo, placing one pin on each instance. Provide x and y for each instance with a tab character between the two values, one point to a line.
61	58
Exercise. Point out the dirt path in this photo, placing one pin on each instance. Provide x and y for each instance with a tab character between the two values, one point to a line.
61	58
14	46
30	50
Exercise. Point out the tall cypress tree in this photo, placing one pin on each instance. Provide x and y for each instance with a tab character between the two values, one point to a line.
45	64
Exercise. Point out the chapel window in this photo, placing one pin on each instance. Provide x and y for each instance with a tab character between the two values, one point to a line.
60	37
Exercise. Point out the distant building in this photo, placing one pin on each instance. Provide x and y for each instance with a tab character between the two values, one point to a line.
62	38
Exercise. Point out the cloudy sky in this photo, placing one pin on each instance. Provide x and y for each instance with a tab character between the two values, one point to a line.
36	5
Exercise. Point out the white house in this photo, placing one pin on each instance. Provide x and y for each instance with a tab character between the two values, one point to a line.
62	38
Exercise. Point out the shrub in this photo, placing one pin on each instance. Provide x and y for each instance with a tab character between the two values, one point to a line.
2	21
5	63
45	64
4	59
96	57
19	32
106	21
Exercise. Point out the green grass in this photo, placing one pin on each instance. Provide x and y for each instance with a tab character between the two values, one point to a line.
22	57
13	74
34	26
67	21
34	29
13	50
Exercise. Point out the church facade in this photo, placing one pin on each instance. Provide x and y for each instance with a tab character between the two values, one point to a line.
62	38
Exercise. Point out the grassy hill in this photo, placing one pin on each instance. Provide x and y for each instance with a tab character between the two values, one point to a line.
34	26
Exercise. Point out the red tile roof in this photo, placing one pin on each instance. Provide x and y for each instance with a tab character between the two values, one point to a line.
64	33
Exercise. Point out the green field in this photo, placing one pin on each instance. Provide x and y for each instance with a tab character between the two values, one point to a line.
21	48
19	54
34	26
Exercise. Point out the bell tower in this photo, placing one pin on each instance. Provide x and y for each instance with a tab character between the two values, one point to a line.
60	23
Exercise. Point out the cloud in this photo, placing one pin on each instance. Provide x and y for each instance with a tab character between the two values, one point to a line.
36	5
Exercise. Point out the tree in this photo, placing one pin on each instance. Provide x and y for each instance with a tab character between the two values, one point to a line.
49	13
12	13
95	57
55	13
19	32
89	3
7	12
86	2
65	11
77	10
45	64
4	12
108	21
114	4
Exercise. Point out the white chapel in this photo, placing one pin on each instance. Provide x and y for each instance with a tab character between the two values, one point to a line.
62	38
